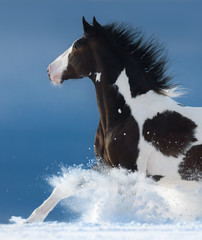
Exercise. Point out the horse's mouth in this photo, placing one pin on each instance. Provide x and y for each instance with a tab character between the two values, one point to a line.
56	79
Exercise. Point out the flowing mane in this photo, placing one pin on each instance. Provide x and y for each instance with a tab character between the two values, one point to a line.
149	54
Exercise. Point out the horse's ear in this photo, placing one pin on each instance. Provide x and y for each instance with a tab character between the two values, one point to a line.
86	26
96	24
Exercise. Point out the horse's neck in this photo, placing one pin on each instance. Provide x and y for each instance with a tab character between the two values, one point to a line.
109	104
113	100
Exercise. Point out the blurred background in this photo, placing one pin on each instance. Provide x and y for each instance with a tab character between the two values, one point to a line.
43	127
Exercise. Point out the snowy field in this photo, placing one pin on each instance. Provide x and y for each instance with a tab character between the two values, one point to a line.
82	231
118	205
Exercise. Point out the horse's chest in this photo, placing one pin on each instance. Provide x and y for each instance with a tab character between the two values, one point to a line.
121	144
118	145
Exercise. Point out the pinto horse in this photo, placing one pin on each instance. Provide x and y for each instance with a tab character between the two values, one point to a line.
141	127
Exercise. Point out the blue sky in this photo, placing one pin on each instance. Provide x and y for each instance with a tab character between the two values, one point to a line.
42	126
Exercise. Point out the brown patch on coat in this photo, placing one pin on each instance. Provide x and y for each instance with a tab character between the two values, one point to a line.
170	133
191	167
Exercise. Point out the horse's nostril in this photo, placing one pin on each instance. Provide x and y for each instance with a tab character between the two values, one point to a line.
49	69
48	75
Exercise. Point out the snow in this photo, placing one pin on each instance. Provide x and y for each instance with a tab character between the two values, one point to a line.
78	231
98	76
117	204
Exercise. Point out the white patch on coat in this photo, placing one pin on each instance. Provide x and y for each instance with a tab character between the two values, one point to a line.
119	111
98	76
147	106
57	67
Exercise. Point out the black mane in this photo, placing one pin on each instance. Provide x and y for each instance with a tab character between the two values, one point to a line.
149	54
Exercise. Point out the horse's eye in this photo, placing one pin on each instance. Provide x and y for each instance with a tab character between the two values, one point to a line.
75	46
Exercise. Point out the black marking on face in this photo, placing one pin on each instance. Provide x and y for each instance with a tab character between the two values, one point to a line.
80	60
170	133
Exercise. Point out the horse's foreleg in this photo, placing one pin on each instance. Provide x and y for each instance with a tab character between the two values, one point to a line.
40	213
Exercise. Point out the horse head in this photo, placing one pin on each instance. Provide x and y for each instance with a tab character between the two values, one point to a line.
79	60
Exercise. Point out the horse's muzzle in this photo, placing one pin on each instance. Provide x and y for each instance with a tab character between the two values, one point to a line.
55	77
